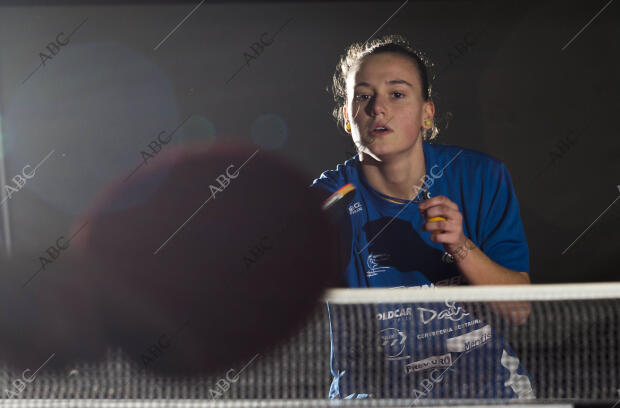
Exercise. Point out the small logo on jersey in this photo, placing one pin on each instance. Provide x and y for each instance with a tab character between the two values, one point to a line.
468	341
453	313
355	208
373	264
519	383
393	343
399	314
445	360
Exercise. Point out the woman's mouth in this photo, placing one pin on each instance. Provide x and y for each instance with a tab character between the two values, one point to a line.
380	131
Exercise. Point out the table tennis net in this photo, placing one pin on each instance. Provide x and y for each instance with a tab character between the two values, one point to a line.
415	346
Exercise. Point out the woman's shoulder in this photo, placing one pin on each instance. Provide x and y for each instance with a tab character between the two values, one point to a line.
461	158
344	173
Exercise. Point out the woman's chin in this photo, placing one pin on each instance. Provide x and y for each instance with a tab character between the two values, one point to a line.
381	149
386	148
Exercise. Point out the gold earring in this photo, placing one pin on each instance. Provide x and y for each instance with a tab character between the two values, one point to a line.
348	127
427	122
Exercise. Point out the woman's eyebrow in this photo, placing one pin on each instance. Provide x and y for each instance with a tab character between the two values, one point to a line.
390	82
399	81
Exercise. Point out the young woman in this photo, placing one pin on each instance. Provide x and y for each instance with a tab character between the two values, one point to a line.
423	214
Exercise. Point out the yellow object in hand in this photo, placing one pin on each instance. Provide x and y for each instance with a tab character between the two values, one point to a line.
436	219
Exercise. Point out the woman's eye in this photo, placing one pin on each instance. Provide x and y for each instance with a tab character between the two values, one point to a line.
364	97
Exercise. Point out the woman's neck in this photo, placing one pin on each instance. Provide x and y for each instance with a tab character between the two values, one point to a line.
398	175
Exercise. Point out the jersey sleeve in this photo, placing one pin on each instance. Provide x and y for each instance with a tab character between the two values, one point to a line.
329	180
503	238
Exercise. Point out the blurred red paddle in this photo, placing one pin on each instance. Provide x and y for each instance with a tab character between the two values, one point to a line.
197	262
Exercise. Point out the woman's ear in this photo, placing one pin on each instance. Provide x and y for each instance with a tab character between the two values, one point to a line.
428	112
346	119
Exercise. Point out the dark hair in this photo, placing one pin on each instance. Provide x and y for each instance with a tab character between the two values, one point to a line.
354	55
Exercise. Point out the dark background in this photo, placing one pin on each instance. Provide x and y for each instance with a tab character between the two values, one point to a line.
504	86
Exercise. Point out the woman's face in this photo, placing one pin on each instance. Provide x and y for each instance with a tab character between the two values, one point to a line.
386	90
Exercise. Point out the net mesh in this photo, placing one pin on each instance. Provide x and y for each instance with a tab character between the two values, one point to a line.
390	350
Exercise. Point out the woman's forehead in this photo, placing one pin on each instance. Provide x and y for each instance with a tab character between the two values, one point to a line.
379	69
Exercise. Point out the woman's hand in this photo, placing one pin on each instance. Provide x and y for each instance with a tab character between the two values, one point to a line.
448	229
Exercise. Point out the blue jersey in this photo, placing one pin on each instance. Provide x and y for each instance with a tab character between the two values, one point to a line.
386	247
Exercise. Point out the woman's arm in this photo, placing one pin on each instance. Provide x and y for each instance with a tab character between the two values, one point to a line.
479	269
473	264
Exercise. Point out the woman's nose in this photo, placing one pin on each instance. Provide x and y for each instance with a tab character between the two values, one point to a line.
377	106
